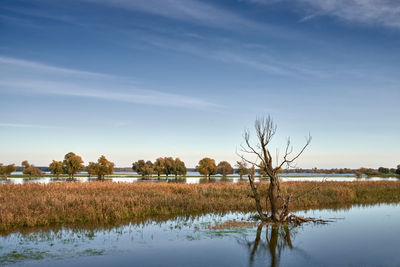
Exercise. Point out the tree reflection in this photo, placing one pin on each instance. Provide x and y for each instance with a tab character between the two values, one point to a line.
278	237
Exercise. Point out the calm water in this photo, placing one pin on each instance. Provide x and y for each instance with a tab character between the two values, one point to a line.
196	178
361	236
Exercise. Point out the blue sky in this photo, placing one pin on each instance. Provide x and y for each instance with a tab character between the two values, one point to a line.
183	78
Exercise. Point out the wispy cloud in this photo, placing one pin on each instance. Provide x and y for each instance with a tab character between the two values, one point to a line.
48	68
381	12
132	95
89	85
18	125
191	11
254	56
371	12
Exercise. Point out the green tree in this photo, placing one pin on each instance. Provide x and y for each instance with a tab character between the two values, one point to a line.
168	165
242	168
179	167
72	164
143	168
30	170
137	166
7	170
102	167
56	168
398	169
207	167
224	168
158	166
383	170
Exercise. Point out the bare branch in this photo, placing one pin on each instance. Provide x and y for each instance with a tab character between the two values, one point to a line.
287	153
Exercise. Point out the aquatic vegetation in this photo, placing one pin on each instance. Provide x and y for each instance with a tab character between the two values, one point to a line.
27	254
103	203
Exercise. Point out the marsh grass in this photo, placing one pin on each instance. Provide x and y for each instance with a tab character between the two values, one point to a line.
107	203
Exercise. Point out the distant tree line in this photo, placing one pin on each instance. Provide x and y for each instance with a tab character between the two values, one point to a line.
379	171
316	170
70	165
161	166
73	164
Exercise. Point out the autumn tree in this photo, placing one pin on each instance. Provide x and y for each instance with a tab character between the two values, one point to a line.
30	170
261	170
224	168
102	167
25	164
56	168
158	166
242	168
147	169
91	169
207	167
5	171
179	167
258	153
143	168
72	164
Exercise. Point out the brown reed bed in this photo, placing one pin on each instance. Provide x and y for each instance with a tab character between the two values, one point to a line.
104	203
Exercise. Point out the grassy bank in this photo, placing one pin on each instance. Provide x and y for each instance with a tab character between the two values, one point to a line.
30	205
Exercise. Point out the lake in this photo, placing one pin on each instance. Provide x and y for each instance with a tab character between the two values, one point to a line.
359	236
196	178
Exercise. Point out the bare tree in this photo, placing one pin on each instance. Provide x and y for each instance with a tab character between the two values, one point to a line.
278	201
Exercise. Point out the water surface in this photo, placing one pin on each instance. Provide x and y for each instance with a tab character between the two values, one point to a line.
360	236
197	180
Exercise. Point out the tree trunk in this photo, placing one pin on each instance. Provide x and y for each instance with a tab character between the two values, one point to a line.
273	199
256	197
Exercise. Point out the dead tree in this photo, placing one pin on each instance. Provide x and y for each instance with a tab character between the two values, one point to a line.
278	202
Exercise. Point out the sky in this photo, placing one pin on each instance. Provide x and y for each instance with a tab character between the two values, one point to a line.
184	78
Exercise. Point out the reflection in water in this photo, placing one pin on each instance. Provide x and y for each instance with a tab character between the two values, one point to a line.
277	239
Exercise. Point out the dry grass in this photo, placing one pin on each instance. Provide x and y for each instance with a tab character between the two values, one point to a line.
104	203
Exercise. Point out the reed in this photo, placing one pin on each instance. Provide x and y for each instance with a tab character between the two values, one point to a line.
29	205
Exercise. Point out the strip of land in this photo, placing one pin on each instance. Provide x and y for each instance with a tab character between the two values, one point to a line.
102	203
